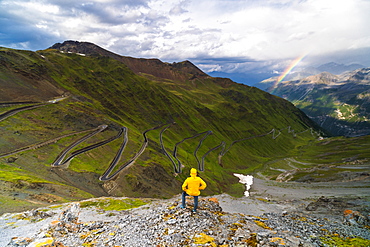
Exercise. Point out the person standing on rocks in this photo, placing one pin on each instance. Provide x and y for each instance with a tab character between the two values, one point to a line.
192	187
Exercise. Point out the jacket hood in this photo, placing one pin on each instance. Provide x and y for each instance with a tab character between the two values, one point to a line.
193	172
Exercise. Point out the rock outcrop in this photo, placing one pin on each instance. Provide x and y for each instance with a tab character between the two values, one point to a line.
164	223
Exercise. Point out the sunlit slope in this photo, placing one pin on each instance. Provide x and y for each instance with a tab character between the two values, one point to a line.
338	159
100	90
340	104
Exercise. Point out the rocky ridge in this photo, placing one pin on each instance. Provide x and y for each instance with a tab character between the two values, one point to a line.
181	71
164	223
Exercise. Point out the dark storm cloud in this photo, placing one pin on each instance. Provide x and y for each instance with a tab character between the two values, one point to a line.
20	33
21	36
39	24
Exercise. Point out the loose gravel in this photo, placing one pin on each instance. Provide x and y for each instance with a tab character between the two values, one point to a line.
164	223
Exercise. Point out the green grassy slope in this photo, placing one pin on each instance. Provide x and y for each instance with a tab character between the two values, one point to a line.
102	90
330	159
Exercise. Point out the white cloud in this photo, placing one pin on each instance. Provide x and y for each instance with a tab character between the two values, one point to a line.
174	30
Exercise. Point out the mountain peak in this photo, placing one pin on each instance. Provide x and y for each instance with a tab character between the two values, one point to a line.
188	67
358	76
80	47
322	78
181	71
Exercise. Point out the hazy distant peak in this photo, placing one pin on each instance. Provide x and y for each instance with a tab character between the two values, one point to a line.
337	69
358	76
322	78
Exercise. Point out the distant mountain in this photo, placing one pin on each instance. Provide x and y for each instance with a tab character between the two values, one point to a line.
333	68
244	78
270	82
337	69
338	103
265	76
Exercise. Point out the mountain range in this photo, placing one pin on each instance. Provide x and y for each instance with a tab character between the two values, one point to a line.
79	121
338	103
254	76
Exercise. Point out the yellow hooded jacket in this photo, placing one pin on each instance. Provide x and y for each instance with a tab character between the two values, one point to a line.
193	184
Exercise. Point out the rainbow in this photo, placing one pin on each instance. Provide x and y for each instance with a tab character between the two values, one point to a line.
289	68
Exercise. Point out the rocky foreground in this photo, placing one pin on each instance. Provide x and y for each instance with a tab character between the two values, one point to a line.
164	223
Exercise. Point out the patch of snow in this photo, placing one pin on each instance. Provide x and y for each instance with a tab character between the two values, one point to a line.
247	180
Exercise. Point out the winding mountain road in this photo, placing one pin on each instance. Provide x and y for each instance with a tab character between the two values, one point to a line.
62	160
23	108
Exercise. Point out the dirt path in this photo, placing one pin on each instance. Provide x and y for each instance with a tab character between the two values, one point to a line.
270	196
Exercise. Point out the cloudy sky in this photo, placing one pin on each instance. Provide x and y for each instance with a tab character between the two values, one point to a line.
217	35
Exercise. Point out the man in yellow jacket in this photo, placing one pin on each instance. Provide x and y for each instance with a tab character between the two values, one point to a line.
192	187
